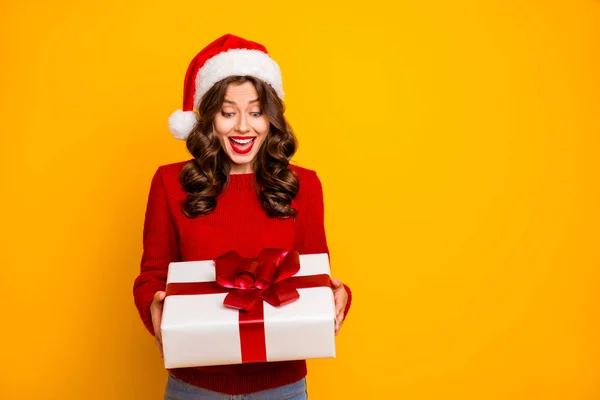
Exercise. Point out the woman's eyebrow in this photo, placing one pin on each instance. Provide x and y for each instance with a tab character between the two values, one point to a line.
233	102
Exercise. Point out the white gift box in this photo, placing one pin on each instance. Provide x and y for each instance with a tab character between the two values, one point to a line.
198	330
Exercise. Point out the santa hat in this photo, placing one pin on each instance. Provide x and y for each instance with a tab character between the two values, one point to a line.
226	56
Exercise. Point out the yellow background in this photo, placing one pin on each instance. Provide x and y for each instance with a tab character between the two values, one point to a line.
457	142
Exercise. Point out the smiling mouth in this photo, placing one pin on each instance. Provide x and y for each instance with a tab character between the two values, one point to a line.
242	144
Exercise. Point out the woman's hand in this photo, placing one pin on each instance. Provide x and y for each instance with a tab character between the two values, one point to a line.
341	298
156	309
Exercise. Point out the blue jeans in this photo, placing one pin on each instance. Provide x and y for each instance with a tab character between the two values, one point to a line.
179	390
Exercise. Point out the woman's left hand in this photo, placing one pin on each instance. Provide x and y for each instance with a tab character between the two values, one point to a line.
341	298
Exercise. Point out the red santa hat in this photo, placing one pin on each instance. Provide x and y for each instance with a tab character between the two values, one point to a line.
226	56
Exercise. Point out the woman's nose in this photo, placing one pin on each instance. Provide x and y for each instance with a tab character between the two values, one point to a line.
243	124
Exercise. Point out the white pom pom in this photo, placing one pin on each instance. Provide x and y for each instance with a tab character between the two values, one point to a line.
181	123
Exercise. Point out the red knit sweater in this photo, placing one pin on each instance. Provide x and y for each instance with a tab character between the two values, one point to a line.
238	223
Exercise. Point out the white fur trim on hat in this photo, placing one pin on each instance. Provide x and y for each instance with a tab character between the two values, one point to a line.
238	62
181	123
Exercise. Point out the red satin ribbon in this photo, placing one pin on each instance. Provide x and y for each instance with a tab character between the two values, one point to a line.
252	334
250	281
259	277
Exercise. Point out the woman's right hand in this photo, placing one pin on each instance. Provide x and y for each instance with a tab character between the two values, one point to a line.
156	309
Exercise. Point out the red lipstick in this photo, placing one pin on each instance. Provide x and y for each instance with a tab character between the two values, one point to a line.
242	148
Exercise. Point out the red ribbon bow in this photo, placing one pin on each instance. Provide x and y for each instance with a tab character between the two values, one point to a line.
258	278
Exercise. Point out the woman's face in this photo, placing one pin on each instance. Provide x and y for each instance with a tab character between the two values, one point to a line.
241	126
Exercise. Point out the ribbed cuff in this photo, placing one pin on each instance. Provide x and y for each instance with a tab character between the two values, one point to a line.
349	300
143	301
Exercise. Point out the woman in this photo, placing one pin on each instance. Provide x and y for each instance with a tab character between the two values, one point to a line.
238	192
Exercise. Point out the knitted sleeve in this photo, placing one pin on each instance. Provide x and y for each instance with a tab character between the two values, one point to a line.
160	247
310	235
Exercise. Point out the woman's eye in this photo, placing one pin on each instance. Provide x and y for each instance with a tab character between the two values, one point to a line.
226	114
256	114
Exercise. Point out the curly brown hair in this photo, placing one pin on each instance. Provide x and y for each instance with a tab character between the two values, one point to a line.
205	177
